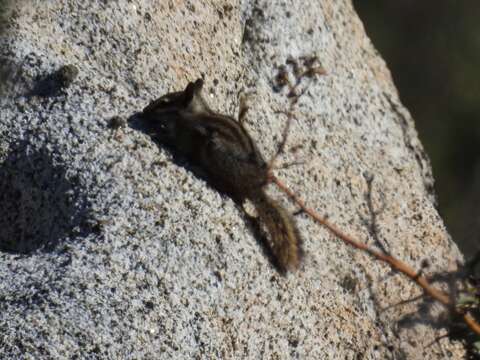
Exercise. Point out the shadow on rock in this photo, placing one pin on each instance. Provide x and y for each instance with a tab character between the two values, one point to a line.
53	84
39	204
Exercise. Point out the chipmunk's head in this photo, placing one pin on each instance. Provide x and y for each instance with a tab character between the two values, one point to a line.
169	118
190	100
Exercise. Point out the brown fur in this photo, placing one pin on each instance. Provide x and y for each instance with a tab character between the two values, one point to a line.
226	152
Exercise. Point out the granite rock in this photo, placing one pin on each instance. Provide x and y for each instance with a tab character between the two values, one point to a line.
111	249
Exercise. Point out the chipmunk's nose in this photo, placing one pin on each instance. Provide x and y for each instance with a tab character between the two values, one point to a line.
149	122
137	121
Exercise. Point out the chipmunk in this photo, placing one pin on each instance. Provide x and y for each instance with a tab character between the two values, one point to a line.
222	147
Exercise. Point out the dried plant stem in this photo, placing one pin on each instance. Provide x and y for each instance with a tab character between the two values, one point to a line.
394	263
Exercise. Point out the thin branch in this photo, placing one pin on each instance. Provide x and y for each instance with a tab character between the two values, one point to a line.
282	79
281	146
394	263
288	165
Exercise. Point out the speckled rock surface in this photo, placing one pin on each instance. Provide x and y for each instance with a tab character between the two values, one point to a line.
109	249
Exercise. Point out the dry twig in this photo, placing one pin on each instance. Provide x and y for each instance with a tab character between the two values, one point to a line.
394	263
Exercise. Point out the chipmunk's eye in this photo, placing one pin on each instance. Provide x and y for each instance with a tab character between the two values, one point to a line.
164	100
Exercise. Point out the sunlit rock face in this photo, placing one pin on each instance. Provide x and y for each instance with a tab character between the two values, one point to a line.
112	248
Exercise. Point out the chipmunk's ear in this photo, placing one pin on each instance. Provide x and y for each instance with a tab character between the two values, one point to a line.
193	98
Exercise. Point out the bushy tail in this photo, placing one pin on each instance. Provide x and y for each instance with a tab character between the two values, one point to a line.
285	241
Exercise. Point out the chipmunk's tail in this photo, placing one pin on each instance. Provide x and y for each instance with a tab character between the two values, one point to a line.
285	241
